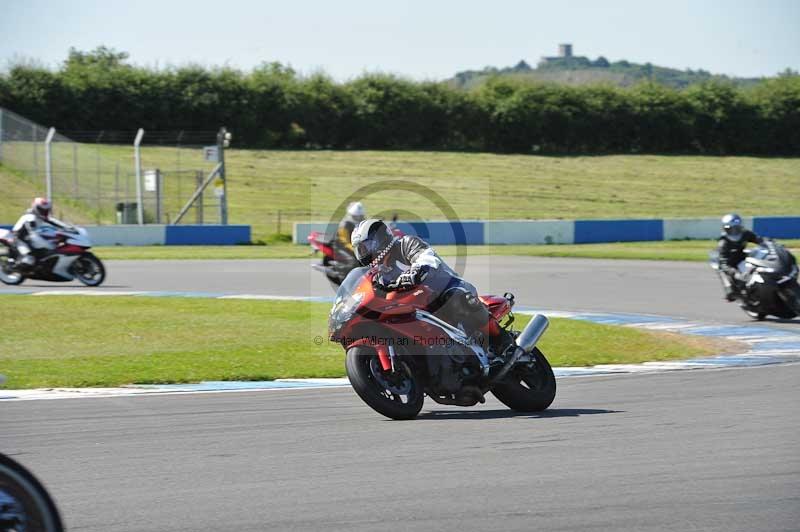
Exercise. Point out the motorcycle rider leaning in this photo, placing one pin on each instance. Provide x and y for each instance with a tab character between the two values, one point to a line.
731	244
29	245
408	261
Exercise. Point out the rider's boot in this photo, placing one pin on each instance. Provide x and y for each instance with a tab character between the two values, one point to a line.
499	339
26	263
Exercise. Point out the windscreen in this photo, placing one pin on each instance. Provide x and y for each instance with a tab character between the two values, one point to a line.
351	281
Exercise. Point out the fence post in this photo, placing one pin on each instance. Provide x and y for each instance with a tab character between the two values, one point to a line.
199	204
223	140
138	163
48	162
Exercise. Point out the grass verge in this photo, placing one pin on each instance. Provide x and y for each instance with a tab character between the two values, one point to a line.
270	189
694	250
89	341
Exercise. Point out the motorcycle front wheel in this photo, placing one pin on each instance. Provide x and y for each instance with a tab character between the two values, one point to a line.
7	273
24	503
528	387
394	394
89	270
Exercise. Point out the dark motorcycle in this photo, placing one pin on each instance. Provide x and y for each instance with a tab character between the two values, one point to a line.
24	503
398	351
767	283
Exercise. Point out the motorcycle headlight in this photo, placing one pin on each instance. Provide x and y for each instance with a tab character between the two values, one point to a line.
343	309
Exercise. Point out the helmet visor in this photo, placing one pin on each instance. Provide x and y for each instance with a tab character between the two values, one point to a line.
733	229
366	250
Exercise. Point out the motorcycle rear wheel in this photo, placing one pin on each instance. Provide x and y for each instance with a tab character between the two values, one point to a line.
7	276
793	298
528	389
396	395
89	270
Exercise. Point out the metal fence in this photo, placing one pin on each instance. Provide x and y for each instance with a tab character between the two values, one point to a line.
93	174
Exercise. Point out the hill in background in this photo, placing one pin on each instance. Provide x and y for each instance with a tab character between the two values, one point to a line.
570	69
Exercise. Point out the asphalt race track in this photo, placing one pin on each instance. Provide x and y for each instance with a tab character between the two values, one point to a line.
679	289
689	450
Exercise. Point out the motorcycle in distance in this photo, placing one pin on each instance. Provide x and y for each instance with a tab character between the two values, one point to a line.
68	259
24	502
337	263
397	352
769	285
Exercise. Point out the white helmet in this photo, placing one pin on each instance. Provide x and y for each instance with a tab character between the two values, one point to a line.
356	211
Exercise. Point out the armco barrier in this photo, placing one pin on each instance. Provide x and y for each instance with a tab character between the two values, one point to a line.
573	231
169	235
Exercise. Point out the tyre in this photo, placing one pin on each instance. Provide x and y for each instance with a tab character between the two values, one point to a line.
793	298
529	387
335	280
89	270
754	315
396	395
7	274
24	503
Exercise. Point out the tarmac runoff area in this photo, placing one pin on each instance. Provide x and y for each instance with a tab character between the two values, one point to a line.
712	450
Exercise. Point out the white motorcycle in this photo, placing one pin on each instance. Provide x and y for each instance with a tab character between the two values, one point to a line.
68	257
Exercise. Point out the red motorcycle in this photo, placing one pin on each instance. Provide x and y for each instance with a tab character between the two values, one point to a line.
336	262
397	351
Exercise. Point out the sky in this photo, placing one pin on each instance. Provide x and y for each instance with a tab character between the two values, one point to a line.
430	39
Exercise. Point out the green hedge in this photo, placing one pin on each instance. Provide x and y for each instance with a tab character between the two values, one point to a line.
273	107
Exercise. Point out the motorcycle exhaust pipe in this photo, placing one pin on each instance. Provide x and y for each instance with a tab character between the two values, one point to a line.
532	333
525	343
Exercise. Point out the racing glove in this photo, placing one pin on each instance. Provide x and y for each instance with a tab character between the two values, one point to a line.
409	278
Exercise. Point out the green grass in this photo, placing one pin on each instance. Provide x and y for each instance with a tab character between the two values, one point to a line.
696	250
308	185
18	190
93	341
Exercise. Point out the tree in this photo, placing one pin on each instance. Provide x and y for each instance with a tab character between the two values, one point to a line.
601	62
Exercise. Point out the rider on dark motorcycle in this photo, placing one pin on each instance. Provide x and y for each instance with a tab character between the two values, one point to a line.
731	245
29	245
407	261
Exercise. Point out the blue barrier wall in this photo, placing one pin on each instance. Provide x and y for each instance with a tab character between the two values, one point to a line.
777	226
169	235
573	231
441	233
213	235
593	231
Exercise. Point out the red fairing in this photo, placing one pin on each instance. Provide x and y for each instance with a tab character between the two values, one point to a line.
498	305
395	314
69	249
315	242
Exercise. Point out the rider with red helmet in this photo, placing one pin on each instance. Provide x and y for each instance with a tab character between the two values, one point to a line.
27	228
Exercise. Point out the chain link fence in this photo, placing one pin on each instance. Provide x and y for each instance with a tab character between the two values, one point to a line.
93	173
